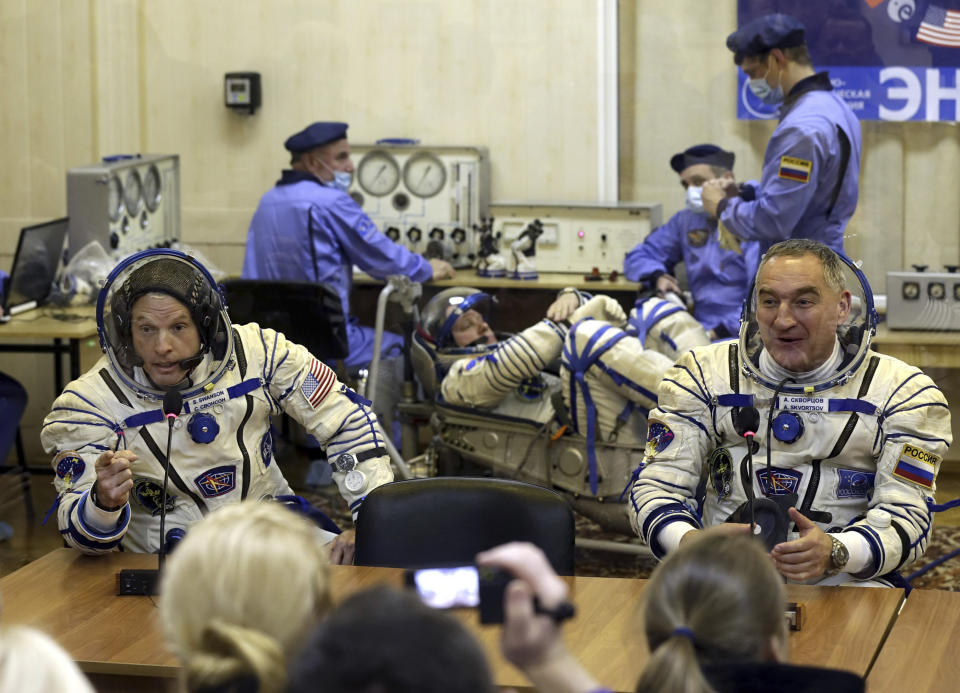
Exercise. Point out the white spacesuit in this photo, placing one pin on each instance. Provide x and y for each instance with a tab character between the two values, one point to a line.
855	448
221	447
606	375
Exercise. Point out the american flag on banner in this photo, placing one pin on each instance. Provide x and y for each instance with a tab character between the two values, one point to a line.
317	383
940	27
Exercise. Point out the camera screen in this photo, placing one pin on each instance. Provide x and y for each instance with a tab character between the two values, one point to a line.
446	588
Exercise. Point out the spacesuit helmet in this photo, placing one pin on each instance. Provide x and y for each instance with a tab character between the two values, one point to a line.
434	347
182	277
854	332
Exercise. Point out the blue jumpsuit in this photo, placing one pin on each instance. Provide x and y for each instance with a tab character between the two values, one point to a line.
305	231
719	279
13	402
801	194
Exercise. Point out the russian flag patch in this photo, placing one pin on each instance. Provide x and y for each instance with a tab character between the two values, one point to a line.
317	383
917	466
792	168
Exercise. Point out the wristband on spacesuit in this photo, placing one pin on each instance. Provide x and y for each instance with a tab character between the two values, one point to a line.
96	500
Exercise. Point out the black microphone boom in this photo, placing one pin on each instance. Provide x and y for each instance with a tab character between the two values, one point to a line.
173	403
147	582
747	419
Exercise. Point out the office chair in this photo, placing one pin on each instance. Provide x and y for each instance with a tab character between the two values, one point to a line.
307	313
448	520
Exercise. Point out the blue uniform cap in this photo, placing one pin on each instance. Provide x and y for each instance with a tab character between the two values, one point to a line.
315	135
764	34
709	154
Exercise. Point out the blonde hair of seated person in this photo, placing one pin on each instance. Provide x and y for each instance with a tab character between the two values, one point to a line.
239	593
32	662
713	600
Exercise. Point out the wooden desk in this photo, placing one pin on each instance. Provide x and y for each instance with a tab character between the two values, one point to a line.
919	348
73	323
118	641
920	653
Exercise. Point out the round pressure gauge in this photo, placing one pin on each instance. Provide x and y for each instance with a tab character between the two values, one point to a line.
378	173
151	189
114	198
424	174
132	190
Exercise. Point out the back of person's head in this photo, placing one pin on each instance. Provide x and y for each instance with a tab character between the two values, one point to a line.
31	662
384	640
715	600
240	592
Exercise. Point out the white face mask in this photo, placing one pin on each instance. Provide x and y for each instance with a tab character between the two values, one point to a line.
762	90
341	179
695	199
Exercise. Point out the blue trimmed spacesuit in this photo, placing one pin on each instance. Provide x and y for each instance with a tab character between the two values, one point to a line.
304	230
718	278
855	446
221	447
606	375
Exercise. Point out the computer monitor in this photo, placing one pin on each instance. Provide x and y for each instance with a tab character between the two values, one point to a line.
39	252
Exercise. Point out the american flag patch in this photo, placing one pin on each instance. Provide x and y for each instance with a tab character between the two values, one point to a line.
792	168
317	383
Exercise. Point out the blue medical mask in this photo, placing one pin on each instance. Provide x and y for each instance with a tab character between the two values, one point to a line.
762	90
695	199
341	179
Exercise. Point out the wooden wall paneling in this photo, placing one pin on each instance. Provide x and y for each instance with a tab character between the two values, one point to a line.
874	233
931	205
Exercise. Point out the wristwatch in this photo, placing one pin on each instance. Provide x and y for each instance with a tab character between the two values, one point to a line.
839	555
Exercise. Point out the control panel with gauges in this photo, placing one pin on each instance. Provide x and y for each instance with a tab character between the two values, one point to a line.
127	203
426	198
922	300
577	237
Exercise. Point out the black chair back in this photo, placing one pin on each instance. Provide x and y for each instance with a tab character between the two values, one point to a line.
448	520
307	313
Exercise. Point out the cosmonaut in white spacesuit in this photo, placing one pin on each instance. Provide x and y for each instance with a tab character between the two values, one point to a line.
605	373
847	442
163	326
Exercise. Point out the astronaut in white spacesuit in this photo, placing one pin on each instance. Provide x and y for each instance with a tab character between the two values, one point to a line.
605	373
846	443
163	326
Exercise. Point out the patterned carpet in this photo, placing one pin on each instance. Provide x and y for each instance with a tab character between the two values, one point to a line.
611	564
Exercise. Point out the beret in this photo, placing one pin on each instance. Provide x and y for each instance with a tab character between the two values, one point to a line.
315	135
709	154
764	33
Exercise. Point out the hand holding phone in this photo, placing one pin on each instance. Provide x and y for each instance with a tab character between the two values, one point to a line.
464	586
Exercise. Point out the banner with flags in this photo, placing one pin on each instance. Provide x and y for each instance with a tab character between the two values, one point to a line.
888	59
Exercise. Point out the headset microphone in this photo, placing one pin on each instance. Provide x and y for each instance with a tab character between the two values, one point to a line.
172	406
147	582
746	421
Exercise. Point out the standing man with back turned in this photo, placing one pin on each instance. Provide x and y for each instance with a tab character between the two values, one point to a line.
811	168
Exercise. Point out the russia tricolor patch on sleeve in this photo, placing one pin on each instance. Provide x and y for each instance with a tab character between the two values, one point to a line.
917	466
792	168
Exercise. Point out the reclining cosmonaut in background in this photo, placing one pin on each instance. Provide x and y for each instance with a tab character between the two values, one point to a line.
562	403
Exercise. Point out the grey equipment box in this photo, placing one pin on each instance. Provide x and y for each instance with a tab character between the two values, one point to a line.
923	301
129	204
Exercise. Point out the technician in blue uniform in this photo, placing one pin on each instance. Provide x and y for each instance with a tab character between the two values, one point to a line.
719	278
811	168
307	228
